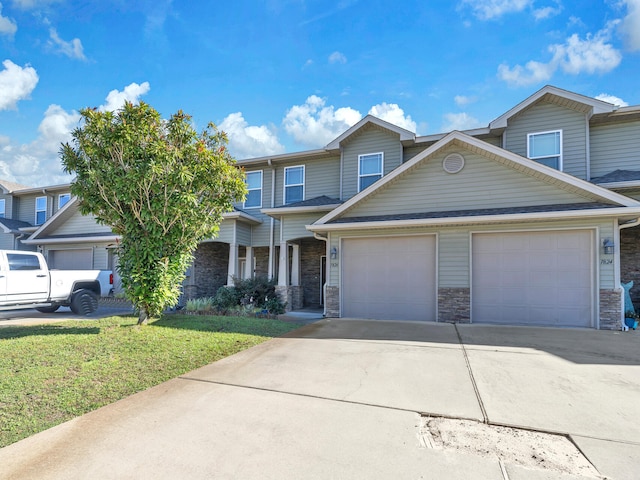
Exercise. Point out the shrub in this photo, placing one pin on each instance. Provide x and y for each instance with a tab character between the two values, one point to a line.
226	297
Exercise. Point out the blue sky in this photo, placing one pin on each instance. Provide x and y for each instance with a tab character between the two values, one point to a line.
290	75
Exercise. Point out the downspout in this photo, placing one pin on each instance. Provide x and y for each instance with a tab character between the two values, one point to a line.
317	236
588	147
341	167
272	224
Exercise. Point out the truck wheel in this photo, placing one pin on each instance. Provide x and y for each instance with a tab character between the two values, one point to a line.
84	302
50	309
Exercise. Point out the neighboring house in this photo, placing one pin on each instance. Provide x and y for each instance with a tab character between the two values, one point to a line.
531	220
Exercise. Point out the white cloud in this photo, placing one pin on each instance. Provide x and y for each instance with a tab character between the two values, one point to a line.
16	83
33	4
630	25
72	49
313	124
131	93
392	113
7	26
247	141
490	9
547	12
38	163
337	57
605	97
462	100
576	56
459	121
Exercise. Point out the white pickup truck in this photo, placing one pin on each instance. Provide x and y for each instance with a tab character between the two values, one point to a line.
27	282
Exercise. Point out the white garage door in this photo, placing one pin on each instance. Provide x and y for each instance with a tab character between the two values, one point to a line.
389	278
76	259
533	278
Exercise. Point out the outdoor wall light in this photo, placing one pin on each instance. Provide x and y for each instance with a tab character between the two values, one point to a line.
334	253
608	246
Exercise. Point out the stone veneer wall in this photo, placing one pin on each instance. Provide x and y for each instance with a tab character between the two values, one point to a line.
630	261
332	301
292	295
610	309
262	261
454	305
311	250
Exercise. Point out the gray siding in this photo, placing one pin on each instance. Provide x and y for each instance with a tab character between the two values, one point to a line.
8	205
411	152
260	234
614	147
226	233
294	225
27	208
6	241
371	140
453	262
544	117
79	224
266	191
243	234
321	177
482	183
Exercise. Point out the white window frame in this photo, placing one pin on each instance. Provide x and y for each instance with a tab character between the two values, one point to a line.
560	160
61	196
244	205
360	175
3	206
284	181
46	205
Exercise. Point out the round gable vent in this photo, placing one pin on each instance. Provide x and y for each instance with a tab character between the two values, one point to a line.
453	163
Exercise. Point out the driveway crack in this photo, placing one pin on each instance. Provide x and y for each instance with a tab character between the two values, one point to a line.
485	417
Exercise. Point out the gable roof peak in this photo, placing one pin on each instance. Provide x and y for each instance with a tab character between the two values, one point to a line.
405	135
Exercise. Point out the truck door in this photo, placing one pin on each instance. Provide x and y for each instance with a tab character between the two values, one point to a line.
27	278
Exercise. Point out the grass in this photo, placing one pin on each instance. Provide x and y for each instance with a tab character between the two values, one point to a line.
52	373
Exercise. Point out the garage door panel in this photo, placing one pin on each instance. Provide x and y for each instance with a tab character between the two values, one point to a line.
389	278
72	259
549	281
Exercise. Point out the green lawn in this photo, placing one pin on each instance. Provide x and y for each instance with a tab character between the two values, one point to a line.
52	373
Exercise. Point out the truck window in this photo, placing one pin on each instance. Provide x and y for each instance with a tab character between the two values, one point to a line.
19	261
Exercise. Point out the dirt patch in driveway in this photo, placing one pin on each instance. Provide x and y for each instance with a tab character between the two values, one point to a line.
529	449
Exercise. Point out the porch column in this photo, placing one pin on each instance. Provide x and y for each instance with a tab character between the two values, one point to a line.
283	270
233	264
248	264
295	265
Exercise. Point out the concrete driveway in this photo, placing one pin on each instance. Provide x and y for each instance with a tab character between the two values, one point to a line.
347	399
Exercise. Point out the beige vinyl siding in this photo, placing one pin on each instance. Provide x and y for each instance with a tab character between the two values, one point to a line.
243	234
454	247
293	226
80	224
545	117
495	141
614	147
635	194
453	252
371	140
482	183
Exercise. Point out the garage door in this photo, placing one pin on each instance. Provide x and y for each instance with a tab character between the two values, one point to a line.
77	259
533	278
389	278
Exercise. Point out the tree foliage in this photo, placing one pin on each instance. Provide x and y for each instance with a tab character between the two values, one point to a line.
158	184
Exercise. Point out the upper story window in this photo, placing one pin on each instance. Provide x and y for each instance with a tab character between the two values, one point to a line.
41	210
63	198
370	169
293	184
2	203
546	148
254	190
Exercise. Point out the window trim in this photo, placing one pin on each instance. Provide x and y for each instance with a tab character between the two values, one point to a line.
284	182
244	204
60	197
46	207
360	175
560	159
3	210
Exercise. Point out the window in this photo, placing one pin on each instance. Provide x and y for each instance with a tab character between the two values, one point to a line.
546	148
63	198
369	169
254	190
19	261
41	210
293	184
2	201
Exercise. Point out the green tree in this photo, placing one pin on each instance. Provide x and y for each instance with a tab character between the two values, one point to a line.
158	184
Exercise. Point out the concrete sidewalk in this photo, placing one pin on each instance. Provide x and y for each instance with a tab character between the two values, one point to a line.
345	398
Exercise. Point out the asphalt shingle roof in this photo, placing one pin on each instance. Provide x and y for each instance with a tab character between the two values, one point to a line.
618	176
313	202
14	224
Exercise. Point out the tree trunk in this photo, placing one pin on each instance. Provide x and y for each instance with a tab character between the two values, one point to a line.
143	317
